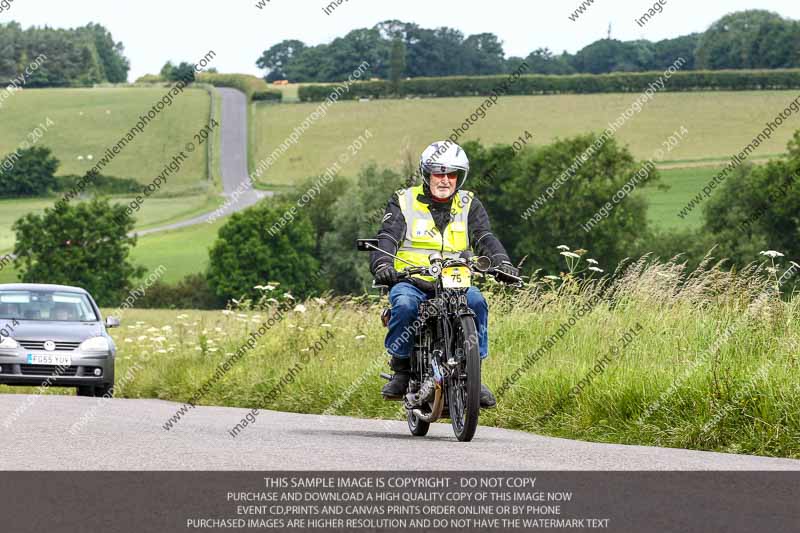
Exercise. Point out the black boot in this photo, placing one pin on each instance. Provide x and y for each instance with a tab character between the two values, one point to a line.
396	388
487	398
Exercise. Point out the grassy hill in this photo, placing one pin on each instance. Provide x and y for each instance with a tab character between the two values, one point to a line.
719	123
87	121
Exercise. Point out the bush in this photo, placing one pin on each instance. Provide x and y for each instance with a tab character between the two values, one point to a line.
100	184
268	96
272	242
698	80
246	83
29	172
755	209
150	78
192	292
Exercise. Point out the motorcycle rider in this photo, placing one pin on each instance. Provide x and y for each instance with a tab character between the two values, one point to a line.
436	216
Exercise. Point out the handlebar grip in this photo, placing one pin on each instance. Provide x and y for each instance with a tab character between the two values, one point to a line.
506	278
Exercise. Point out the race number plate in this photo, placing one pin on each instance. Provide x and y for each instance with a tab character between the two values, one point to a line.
454	277
49	359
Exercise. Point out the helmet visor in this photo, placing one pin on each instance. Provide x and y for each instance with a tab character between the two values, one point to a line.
439	169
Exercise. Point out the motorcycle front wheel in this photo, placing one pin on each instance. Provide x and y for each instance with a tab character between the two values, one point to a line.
418	427
464	387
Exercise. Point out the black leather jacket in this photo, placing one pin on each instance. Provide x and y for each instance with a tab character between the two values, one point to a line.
393	229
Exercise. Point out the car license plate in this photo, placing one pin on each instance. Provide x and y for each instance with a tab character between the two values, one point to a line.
455	277
49	359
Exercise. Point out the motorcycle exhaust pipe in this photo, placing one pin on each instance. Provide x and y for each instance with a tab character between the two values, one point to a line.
438	406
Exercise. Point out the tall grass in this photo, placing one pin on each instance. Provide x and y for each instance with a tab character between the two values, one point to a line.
710	361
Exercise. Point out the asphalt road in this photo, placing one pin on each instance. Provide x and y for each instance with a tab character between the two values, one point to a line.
233	161
128	434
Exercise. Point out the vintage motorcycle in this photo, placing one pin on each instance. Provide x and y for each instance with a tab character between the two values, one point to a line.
445	362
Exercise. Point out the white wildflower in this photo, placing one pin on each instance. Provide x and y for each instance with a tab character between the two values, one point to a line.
300	308
570	254
360	337
326	325
591	261
563	247
554	278
227	312
772	254
595	269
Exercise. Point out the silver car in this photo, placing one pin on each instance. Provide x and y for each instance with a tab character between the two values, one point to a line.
55	334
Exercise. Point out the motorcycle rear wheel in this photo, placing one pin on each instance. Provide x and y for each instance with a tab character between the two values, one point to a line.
464	387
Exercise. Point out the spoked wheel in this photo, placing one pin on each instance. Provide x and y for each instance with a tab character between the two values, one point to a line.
464	388
418	427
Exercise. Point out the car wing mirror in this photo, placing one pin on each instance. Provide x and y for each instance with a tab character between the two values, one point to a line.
112	322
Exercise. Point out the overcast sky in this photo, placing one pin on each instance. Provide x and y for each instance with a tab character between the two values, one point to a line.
183	30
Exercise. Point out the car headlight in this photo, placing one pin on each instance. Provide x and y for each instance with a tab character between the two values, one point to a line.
8	343
95	344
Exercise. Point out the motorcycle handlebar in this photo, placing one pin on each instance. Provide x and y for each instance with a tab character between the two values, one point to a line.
498	274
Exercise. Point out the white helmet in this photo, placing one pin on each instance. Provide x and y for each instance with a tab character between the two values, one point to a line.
443	157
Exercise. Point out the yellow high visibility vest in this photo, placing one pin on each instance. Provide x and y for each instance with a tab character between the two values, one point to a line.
422	237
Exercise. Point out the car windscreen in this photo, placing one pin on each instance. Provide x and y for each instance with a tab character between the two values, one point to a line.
46	305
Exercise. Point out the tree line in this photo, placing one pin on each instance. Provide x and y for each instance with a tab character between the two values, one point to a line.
752	39
74	57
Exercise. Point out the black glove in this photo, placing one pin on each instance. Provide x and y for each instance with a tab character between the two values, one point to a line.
386	275
507	268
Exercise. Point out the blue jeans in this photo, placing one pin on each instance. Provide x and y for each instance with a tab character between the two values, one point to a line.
405	299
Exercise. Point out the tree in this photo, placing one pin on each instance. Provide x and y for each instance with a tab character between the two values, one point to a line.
184	71
561	219
756	209
73	57
32	173
731	41
610	55
246	253
483	54
276	59
322	208
667	51
85	244
397	62
348	269
166	70
542	61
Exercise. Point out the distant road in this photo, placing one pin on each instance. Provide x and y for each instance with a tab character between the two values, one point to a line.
233	155
129	435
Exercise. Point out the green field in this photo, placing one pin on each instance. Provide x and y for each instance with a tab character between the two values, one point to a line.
87	121
684	183
182	251
719	123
